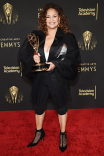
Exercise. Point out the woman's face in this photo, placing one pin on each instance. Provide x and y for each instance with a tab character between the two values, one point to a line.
52	18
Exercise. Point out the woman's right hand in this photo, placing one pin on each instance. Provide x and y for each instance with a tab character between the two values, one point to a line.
36	58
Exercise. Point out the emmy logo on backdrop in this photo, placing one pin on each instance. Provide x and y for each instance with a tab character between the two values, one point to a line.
87	41
14	95
8	15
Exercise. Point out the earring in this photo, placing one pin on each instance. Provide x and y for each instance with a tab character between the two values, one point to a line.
59	25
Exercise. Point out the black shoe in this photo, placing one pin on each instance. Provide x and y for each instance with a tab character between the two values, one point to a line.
38	136
63	141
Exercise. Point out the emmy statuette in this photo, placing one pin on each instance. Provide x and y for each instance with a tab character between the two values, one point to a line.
34	42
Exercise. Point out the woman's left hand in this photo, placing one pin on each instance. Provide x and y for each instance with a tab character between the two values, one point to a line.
51	67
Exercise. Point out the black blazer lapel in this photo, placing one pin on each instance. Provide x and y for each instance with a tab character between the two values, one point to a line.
56	44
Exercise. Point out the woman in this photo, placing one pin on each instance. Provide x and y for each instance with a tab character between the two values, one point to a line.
59	49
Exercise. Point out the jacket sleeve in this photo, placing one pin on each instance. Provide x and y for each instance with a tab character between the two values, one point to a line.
25	57
67	67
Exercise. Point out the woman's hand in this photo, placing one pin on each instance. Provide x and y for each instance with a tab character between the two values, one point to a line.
51	67
36	58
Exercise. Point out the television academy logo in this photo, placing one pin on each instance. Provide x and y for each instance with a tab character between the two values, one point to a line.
14	95
87	41
8	15
88	92
89	12
11	69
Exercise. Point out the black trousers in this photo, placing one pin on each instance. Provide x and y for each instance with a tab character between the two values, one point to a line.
46	90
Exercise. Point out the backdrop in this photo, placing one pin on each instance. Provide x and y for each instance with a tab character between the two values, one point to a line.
19	18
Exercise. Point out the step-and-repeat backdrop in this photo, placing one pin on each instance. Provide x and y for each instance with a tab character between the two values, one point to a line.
19	18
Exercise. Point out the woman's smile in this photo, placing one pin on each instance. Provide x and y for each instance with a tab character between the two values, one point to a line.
52	23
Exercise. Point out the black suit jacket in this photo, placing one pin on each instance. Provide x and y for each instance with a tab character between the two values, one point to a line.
64	53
